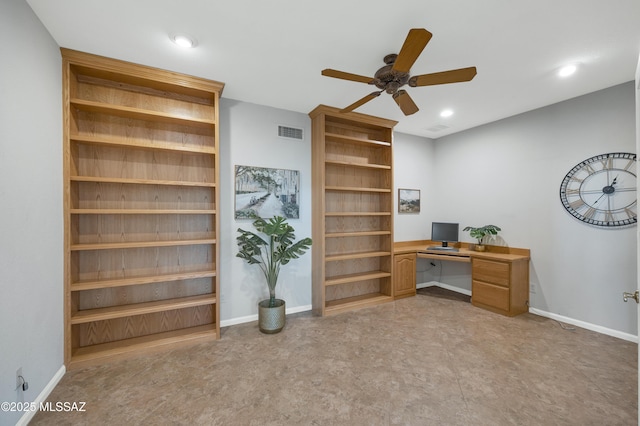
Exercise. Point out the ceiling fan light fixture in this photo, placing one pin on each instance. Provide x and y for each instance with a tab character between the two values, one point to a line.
567	70
184	40
446	113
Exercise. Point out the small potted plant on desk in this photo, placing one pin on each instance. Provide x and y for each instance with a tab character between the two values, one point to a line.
480	233
270	250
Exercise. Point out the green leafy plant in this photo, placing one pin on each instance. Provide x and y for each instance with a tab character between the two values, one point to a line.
479	233
273	247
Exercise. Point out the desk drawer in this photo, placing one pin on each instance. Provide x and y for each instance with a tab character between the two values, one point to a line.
490	295
491	271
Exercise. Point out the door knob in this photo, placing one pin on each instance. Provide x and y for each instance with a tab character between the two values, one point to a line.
635	296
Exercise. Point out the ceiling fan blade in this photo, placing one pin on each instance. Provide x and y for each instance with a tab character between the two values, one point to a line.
347	76
444	77
413	45
405	102
361	102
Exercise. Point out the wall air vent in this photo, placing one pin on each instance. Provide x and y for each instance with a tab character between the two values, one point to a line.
437	128
290	133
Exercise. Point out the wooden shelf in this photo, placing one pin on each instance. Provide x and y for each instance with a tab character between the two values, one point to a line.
130	76
121	311
140	211
356	302
141	171
96	354
343	214
95	179
138	113
361	255
351	278
356	234
354	140
352	171
141	280
356	189
141	244
353	164
141	144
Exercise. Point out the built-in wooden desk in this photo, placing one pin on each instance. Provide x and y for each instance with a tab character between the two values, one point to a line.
499	275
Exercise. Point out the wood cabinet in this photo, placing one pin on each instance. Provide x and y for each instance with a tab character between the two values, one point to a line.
500	286
404	275
499	276
352	210
140	207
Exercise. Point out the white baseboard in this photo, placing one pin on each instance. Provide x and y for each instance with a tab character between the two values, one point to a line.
567	320
445	286
427	284
586	325
42	397
254	317
297	309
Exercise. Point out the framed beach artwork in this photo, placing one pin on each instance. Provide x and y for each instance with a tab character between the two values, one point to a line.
408	201
265	192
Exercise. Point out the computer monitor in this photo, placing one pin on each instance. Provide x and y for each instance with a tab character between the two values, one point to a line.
445	233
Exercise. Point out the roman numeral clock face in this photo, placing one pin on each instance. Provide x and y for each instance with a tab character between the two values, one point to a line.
601	190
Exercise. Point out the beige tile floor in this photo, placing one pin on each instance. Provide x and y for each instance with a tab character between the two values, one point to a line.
418	361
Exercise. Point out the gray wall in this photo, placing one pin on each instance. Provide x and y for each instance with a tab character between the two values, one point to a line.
508	173
248	137
414	164
31	251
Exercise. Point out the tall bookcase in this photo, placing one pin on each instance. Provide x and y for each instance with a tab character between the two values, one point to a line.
352	210
140	207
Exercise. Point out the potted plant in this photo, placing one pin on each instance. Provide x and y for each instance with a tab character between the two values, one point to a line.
270	248
479	234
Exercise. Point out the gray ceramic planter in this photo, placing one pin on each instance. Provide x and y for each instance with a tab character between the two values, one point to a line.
271	320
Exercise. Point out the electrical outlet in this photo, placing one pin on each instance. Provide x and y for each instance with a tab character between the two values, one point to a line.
532	288
18	380
21	383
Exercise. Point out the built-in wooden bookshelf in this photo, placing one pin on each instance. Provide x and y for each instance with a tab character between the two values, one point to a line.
352	210
141	201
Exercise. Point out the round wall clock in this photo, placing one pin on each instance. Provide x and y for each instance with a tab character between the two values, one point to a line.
601	190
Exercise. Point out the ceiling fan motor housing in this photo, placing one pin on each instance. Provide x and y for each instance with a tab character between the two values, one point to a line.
389	80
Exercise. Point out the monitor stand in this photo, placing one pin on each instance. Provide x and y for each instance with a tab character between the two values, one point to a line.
444	246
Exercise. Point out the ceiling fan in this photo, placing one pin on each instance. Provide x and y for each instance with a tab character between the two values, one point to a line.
395	74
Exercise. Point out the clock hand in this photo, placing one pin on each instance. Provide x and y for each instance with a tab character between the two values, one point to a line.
609	189
599	198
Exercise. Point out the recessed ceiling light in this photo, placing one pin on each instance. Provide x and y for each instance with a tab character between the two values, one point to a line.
183	40
446	113
567	70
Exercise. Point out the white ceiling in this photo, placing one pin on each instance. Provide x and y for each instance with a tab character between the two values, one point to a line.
271	52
